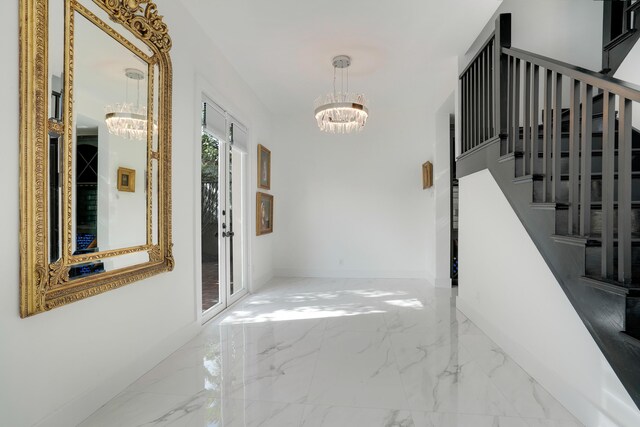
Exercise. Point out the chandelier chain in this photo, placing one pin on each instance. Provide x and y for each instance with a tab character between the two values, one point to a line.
334	80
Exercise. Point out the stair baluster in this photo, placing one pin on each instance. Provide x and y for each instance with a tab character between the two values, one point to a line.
556	149
547	147
526	129
586	145
574	156
535	121
624	191
608	166
515	106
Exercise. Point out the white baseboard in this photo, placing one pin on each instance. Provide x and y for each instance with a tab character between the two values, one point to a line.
354	274
78	409
573	400
260	281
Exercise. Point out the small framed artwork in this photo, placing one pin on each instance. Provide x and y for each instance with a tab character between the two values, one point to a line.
264	213
264	167
126	180
427	175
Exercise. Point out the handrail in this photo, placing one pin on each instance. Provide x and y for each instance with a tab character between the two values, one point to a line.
619	87
478	53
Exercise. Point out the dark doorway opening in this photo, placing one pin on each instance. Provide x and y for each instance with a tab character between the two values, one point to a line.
453	200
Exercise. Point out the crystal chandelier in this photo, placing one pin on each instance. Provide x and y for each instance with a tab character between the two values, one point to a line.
341	112
126	119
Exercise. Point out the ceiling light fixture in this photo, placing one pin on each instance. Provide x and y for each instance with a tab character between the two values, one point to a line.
341	112
126	119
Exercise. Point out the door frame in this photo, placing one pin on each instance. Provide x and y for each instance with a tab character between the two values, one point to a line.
225	300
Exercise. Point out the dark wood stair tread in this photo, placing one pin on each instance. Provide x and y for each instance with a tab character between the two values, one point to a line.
611	286
510	156
544	205
592	240
631	337
595	206
527	178
570	239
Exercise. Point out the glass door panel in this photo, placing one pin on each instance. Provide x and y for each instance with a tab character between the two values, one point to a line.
236	223
209	220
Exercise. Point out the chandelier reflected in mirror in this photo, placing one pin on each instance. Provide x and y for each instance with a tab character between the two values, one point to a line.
128	120
341	112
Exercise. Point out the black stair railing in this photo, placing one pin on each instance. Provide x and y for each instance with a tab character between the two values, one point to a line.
568	128
477	92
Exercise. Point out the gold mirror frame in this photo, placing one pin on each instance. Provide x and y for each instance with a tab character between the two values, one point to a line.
45	285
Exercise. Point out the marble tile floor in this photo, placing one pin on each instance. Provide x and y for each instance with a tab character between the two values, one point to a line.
338	352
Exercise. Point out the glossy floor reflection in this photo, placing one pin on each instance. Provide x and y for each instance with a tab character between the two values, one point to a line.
338	352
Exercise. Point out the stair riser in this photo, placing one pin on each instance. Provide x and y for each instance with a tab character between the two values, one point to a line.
596	164
596	141
596	191
562	222
593	261
632	316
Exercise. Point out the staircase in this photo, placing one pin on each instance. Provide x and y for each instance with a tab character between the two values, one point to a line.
559	141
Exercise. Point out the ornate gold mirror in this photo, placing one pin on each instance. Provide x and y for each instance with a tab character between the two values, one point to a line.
95	148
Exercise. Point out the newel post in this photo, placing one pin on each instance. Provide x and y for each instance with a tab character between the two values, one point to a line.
501	76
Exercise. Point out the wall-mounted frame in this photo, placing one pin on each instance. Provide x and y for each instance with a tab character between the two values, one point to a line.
75	59
264	213
427	175
264	167
127	180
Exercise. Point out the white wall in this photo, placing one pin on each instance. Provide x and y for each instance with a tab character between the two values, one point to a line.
630	71
58	367
353	205
568	30
500	269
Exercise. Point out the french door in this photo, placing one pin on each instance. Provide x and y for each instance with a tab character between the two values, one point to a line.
222	215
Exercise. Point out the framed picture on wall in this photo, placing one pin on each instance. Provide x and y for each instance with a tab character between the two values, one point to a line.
126	180
427	175
264	213
264	167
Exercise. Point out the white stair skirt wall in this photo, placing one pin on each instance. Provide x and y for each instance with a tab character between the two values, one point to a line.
507	289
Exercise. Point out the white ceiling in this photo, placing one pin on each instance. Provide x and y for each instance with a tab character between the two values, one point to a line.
283	48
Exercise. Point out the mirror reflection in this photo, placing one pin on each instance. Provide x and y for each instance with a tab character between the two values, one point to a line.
95	144
110	129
